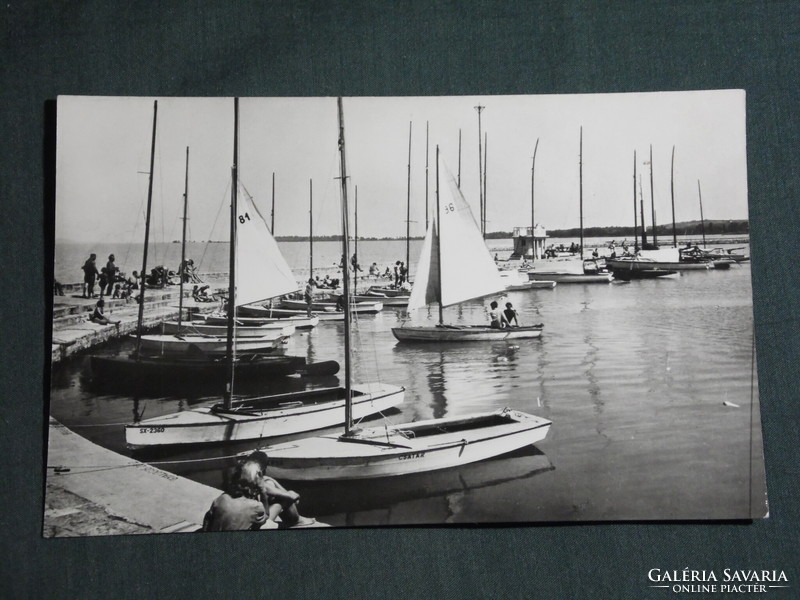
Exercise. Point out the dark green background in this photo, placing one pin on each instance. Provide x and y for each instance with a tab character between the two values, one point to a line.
398	48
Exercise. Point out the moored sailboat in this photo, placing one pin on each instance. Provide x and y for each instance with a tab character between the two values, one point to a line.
264	416
401	449
455	266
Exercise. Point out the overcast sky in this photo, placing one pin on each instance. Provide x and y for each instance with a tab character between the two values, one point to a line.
103	152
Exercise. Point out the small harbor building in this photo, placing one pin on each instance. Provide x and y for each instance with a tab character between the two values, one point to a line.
529	243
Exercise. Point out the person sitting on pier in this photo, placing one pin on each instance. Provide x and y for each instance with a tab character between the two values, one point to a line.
497	320
253	500
239	508
511	315
278	500
200	294
98	316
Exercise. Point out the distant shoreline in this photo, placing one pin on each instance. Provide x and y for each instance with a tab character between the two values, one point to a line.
710	228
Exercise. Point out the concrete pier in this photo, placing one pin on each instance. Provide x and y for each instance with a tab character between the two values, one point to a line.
73	331
93	491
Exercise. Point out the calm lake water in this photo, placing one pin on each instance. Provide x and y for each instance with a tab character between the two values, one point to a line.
650	385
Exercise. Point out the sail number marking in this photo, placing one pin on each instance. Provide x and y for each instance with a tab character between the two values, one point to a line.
151	430
412	455
243	218
449	208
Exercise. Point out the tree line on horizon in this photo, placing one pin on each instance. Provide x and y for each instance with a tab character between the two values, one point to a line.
718	227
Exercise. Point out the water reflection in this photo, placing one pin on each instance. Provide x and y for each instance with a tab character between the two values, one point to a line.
647	365
446	496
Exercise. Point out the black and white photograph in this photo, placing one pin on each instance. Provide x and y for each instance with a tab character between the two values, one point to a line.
285	313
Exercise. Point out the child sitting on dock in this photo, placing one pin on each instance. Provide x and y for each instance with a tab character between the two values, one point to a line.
98	316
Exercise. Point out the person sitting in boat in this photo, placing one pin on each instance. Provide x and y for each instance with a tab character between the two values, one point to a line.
497	320
340	303
387	274
510	315
99	317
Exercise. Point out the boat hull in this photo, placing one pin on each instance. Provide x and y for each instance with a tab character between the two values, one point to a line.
260	418
295	319
392	301
559	277
647	265
630	274
169	373
209	345
202	328
456	333
406	449
369	307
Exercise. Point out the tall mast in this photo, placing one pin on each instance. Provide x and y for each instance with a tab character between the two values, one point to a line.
459	159
485	160
348	409
480	170
641	210
437	224
533	204
140	318
702	221
310	229
653	201
672	194
183	241
355	247
272	213
635	218
580	186
408	206
427	148
232	259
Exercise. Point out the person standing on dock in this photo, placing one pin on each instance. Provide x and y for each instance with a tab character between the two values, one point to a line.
308	296
111	275
90	274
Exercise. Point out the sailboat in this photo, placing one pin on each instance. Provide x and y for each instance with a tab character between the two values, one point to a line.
194	364
589	270
455	266
392	295
253	250
400	449
181	337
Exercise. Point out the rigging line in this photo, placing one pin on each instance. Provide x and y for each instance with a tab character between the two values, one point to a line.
752	408
95	468
214	225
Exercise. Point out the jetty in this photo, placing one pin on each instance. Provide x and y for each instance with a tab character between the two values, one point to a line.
83	500
73	332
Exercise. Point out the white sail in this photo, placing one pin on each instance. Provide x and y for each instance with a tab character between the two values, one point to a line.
261	270
467	268
426	279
